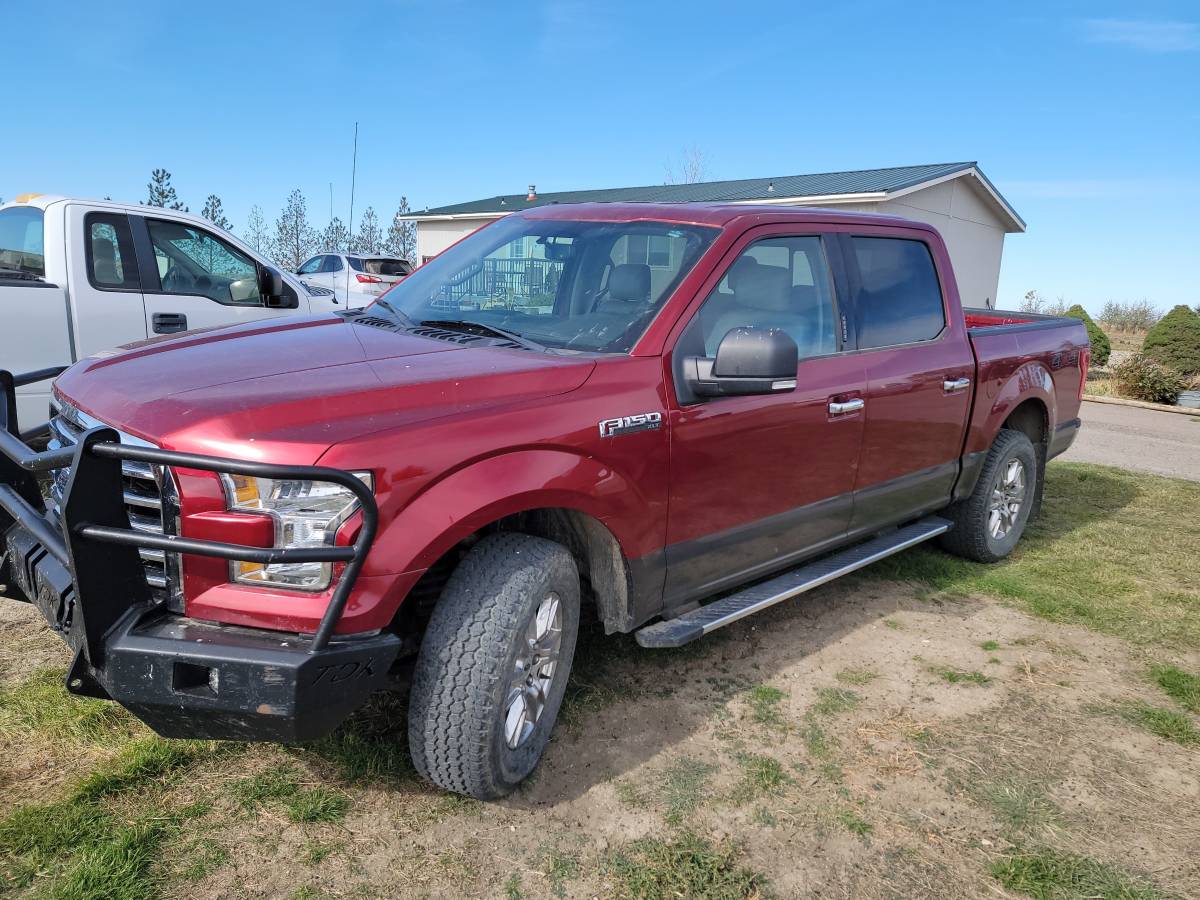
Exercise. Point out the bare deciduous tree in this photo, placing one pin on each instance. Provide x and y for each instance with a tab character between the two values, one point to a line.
294	237
369	238
691	167
256	234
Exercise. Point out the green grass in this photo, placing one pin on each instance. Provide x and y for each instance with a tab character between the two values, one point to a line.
81	847
318	804
856	677
1182	687
853	822
371	746
990	646
276	783
202	858
1049	874
559	868
683	786
1021	805
41	706
831	701
685	865
959	676
764	703
761	776
280	785
1165	723
1112	550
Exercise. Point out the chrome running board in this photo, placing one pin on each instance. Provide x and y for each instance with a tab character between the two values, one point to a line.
708	618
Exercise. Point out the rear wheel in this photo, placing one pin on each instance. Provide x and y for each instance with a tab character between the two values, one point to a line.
494	664
988	524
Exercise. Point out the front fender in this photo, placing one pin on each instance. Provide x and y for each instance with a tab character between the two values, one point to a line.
469	498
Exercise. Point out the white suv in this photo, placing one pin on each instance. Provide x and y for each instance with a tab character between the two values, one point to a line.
356	279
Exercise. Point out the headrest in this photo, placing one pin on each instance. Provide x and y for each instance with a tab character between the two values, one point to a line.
104	251
630	281
762	287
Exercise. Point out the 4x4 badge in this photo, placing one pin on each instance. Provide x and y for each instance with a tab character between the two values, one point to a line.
625	424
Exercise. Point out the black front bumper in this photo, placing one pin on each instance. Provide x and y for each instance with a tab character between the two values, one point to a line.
182	677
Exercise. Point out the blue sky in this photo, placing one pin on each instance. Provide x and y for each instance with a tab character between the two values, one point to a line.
1085	115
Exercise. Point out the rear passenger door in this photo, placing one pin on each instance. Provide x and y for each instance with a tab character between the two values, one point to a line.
918	366
758	482
104	281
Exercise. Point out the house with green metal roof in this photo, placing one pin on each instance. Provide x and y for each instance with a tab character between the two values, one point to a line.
971	214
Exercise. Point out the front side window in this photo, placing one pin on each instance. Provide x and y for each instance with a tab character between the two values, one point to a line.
22	240
111	262
779	282
193	261
567	285
310	267
899	298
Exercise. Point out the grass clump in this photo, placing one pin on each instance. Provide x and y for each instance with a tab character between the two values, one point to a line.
1094	557
1182	687
1049	874
1020	805
831	701
764	704
138	764
41	706
761	775
853	822
686	865
559	868
683	787
990	646
276	783
281	785
959	676
318	804
1164	723
856	677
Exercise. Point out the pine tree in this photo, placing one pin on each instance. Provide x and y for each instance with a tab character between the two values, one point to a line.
256	234
402	236
294	237
369	238
336	237
215	213
162	192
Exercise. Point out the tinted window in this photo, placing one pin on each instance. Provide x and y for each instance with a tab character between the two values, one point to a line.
775	283
333	263
386	266
110	255
311	266
21	239
191	260
899	300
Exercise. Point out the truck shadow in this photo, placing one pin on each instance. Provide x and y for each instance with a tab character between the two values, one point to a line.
626	706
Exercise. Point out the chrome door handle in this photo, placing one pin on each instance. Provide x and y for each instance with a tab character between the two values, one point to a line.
849	406
958	384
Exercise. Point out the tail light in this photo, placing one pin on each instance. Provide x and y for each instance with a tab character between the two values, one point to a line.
368	279
1085	361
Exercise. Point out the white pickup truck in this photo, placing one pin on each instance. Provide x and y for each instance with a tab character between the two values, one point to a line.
78	277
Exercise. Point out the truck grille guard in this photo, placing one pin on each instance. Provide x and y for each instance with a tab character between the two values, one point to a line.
93	538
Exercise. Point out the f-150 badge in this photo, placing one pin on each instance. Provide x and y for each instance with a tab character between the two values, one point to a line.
626	424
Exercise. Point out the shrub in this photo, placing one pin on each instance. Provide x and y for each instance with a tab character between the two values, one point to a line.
1175	341
1143	378
1100	346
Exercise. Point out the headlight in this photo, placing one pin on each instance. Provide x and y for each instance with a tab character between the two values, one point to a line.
306	514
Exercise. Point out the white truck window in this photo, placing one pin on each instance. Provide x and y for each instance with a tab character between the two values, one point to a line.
194	262
22	241
111	261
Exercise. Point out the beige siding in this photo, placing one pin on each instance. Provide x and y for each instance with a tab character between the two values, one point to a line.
434	237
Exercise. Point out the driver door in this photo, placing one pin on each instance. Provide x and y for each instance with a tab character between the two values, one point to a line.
194	279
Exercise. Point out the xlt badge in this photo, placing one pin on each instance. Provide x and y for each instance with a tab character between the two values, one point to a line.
626	424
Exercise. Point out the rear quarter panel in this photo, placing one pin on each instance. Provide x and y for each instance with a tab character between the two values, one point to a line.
1016	364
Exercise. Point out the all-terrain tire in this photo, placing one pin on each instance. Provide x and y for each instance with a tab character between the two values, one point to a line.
461	686
971	536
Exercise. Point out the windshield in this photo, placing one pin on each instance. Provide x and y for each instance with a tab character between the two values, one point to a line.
587	286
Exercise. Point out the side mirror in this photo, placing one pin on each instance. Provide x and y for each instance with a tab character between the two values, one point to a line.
270	283
749	361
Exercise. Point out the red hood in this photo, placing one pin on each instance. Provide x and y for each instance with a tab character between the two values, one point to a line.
287	390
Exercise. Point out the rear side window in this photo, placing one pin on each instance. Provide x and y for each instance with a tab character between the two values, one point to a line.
899	299
22	242
111	264
332	264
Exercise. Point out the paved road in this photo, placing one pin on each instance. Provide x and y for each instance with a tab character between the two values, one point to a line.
1143	439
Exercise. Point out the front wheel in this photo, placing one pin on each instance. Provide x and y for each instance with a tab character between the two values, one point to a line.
493	665
988	524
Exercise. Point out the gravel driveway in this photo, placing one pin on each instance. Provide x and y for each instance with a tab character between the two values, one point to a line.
1143	439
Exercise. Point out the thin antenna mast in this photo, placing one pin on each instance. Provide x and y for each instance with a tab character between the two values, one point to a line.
350	224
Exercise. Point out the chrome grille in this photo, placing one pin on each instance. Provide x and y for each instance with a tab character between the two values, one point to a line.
149	498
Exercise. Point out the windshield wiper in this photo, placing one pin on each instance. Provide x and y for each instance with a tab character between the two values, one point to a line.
404	320
472	327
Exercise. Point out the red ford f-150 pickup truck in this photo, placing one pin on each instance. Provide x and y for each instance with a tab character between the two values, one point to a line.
666	416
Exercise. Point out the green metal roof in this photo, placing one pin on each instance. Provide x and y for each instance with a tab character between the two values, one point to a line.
863	181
